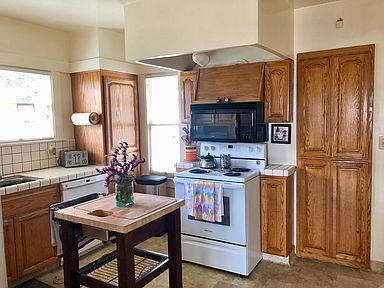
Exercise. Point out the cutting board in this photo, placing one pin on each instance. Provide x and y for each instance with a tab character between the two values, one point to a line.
144	204
104	214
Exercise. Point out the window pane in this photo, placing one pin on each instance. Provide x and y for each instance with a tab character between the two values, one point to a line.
25	106
164	148
162	100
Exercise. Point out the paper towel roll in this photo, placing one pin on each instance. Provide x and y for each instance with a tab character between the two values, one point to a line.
84	119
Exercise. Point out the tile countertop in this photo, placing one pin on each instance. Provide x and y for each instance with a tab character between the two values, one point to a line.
278	170
50	176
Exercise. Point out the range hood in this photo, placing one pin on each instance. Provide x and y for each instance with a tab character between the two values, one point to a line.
168	33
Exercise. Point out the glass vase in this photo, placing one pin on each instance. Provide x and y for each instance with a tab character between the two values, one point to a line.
124	187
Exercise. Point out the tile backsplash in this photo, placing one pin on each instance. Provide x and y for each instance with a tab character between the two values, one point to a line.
18	158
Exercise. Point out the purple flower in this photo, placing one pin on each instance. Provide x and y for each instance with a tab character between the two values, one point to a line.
117	168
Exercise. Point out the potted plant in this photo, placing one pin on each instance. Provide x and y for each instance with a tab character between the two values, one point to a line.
190	147
121	173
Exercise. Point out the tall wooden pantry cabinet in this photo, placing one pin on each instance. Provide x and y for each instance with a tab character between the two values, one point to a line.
334	154
114	96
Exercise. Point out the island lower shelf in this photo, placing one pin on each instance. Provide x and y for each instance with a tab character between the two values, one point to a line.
104	271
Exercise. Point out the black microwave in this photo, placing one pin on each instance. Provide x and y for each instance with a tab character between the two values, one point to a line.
229	122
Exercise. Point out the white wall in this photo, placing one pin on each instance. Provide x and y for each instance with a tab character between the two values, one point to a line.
363	24
169	27
28	45
97	48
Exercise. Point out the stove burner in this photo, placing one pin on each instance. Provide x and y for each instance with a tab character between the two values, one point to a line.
232	174
240	170
198	171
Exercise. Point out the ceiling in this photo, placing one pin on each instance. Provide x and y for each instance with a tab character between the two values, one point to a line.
66	14
69	15
305	3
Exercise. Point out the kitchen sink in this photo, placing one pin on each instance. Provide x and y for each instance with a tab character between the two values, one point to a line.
15	179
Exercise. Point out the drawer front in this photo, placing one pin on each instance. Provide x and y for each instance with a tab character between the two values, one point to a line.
29	200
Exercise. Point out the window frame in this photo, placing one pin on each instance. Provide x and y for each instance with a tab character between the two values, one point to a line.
149	125
40	72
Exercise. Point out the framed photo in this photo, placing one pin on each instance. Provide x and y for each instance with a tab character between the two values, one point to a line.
281	133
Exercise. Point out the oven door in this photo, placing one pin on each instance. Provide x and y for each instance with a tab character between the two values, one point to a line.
232	227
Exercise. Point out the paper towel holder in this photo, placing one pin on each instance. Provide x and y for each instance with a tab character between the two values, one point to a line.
85	119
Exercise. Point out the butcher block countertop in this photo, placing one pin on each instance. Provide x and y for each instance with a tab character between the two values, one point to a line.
104	214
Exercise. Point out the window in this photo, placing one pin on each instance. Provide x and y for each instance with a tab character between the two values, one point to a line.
163	123
25	106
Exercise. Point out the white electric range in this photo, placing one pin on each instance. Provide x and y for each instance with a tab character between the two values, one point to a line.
234	244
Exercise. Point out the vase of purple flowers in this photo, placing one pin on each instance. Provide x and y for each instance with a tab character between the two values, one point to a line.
121	173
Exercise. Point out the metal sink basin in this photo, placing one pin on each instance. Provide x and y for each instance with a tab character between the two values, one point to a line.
15	179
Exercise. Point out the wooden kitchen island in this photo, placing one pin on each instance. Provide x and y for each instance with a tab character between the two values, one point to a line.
127	266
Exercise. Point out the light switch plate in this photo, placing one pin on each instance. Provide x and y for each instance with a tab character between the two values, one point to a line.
381	142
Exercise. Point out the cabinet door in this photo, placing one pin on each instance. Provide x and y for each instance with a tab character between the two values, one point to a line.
314	210
352	106
313	108
278	91
187	90
33	241
239	83
351	188
121	112
10	250
275	217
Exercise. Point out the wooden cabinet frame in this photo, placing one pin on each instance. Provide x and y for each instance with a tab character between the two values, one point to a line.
27	230
334	136
277	214
91	91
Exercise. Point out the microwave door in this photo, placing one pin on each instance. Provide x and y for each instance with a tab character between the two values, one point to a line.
214	127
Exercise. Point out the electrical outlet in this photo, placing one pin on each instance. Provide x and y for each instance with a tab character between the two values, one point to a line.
381	142
51	150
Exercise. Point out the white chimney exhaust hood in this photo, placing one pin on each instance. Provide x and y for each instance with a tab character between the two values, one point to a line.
172	33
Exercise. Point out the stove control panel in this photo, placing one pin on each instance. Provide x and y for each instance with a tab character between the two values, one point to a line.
236	150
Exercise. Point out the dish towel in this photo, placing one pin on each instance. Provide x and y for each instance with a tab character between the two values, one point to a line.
204	202
219	203
189	198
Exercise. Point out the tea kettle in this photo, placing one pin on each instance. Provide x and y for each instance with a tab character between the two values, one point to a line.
207	162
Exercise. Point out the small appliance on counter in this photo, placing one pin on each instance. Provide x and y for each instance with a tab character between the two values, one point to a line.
73	158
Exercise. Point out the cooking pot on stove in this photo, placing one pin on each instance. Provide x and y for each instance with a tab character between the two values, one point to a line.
207	162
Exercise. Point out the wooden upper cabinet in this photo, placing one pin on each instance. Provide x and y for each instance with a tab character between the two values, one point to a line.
352	213
239	83
352	106
278	91
10	250
314	209
313	108
121	112
187	89
276	214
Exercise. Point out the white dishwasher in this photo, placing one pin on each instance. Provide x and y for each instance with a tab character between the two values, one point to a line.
74	189
81	187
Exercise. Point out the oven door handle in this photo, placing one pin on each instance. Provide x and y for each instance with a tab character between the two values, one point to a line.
233	186
225	185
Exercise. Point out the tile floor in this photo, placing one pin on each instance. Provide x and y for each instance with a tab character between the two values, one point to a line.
303	273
